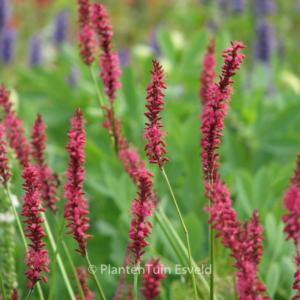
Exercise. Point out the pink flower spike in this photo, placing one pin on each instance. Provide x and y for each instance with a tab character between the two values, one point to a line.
46	178
217	96
208	74
292	221
5	173
14	128
154	272
37	257
83	276
86	34
77	206
110	70
141	209
154	133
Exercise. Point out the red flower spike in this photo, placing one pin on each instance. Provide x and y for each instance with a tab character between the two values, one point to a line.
46	178
14	129
208	74
83	276
141	209
217	97
37	257
292	221
109	62
15	294
154	272
154	133
5	173
86	35
245	242
76	208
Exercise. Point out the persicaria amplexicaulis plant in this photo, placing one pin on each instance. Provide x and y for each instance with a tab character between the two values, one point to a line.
37	257
46	175
76	209
141	210
5	173
154	273
292	222
154	133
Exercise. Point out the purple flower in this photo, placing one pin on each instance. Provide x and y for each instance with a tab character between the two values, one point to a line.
35	50
238	6
76	209
265	7
37	257
74	77
154	133
7	44
124	57
61	26
5	11
264	41
154	42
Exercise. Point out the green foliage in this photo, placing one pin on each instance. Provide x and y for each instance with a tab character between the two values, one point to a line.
258	149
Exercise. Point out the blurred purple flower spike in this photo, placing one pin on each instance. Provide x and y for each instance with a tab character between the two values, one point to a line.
124	57
264	41
238	6
61	27
35	50
5	11
7	44
265	7
154	42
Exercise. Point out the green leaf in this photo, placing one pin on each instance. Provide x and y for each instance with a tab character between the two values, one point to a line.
273	276
244	185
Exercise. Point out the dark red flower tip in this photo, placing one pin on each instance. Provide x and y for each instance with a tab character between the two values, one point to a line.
208	74
109	62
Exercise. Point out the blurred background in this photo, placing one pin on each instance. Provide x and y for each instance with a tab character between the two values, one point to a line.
40	63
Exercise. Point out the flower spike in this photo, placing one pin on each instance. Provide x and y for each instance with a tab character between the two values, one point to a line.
154	133
76	208
37	257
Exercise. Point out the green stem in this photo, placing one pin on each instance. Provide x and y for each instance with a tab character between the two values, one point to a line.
22	235
113	136
97	87
2	288
73	270
60	263
135	280
30	293
186	234
211	249
172	241
90	268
